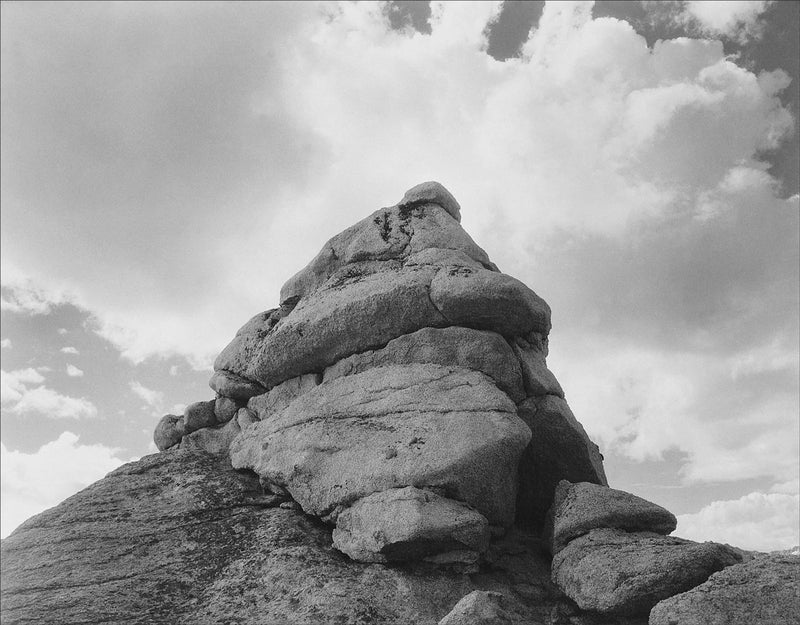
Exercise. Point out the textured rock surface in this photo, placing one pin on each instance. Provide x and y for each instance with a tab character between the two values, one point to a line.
198	415
763	590
579	508
213	440
487	352
180	538
234	386
559	450
447	429
169	431
612	571
478	608
434	193
407	524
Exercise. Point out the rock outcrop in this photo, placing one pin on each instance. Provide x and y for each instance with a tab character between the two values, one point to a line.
765	589
383	447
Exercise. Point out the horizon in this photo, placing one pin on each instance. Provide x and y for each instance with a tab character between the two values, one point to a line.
166	167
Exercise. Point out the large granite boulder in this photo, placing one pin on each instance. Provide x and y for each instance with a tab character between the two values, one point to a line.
579	508
179	537
764	590
613	572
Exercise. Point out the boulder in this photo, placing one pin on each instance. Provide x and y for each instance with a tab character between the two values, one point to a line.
406	524
199	415
225	409
559	450
539	380
227	384
482	351
245	417
212	440
446	429
615	572
180	537
487	300
431	193
764	590
579	508
280	396
478	608
169	431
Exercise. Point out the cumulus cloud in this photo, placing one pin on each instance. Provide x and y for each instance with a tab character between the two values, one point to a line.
736	19
34	482
152	398
758	521
19	398
5	343
69	350
74	372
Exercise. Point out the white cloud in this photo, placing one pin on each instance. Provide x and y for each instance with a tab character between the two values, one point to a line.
74	372
173	370
178	409
5	343
24	296
34	482
13	384
62	331
154	399
737	19
69	350
758	521
53	405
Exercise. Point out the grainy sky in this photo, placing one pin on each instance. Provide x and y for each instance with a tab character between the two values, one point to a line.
167	166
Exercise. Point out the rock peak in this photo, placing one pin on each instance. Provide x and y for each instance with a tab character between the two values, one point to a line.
432	192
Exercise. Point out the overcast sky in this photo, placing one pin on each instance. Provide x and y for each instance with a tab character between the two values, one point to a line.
167	166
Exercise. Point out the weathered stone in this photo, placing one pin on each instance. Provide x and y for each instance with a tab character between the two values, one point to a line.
199	415
559	450
434	193
245	417
169	431
763	590
408	523
224	409
487	300
612	571
279	397
212	440
579	508
482	351
179	537
230	385
449	429
387	234
478	608
539	380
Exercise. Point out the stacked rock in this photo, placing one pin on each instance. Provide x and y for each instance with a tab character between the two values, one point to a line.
401	392
611	552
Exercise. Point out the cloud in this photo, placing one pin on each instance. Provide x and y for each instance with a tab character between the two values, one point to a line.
735	19
69	350
74	372
18	398
62	331
758	521
34	482
5	343
154	399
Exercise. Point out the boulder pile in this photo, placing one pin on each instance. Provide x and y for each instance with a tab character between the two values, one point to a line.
400	392
386	446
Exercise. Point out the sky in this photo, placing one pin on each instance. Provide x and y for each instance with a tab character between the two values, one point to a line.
167	166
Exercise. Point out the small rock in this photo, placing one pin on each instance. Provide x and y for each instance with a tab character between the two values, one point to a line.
169	431
614	572
216	440
539	380
290	505
234	386
408	523
579	508
224	409
478	608
763	590
199	415
434	193
246	417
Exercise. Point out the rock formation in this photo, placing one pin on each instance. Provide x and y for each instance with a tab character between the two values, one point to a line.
386	446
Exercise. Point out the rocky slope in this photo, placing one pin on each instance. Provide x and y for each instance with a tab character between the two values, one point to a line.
387	446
